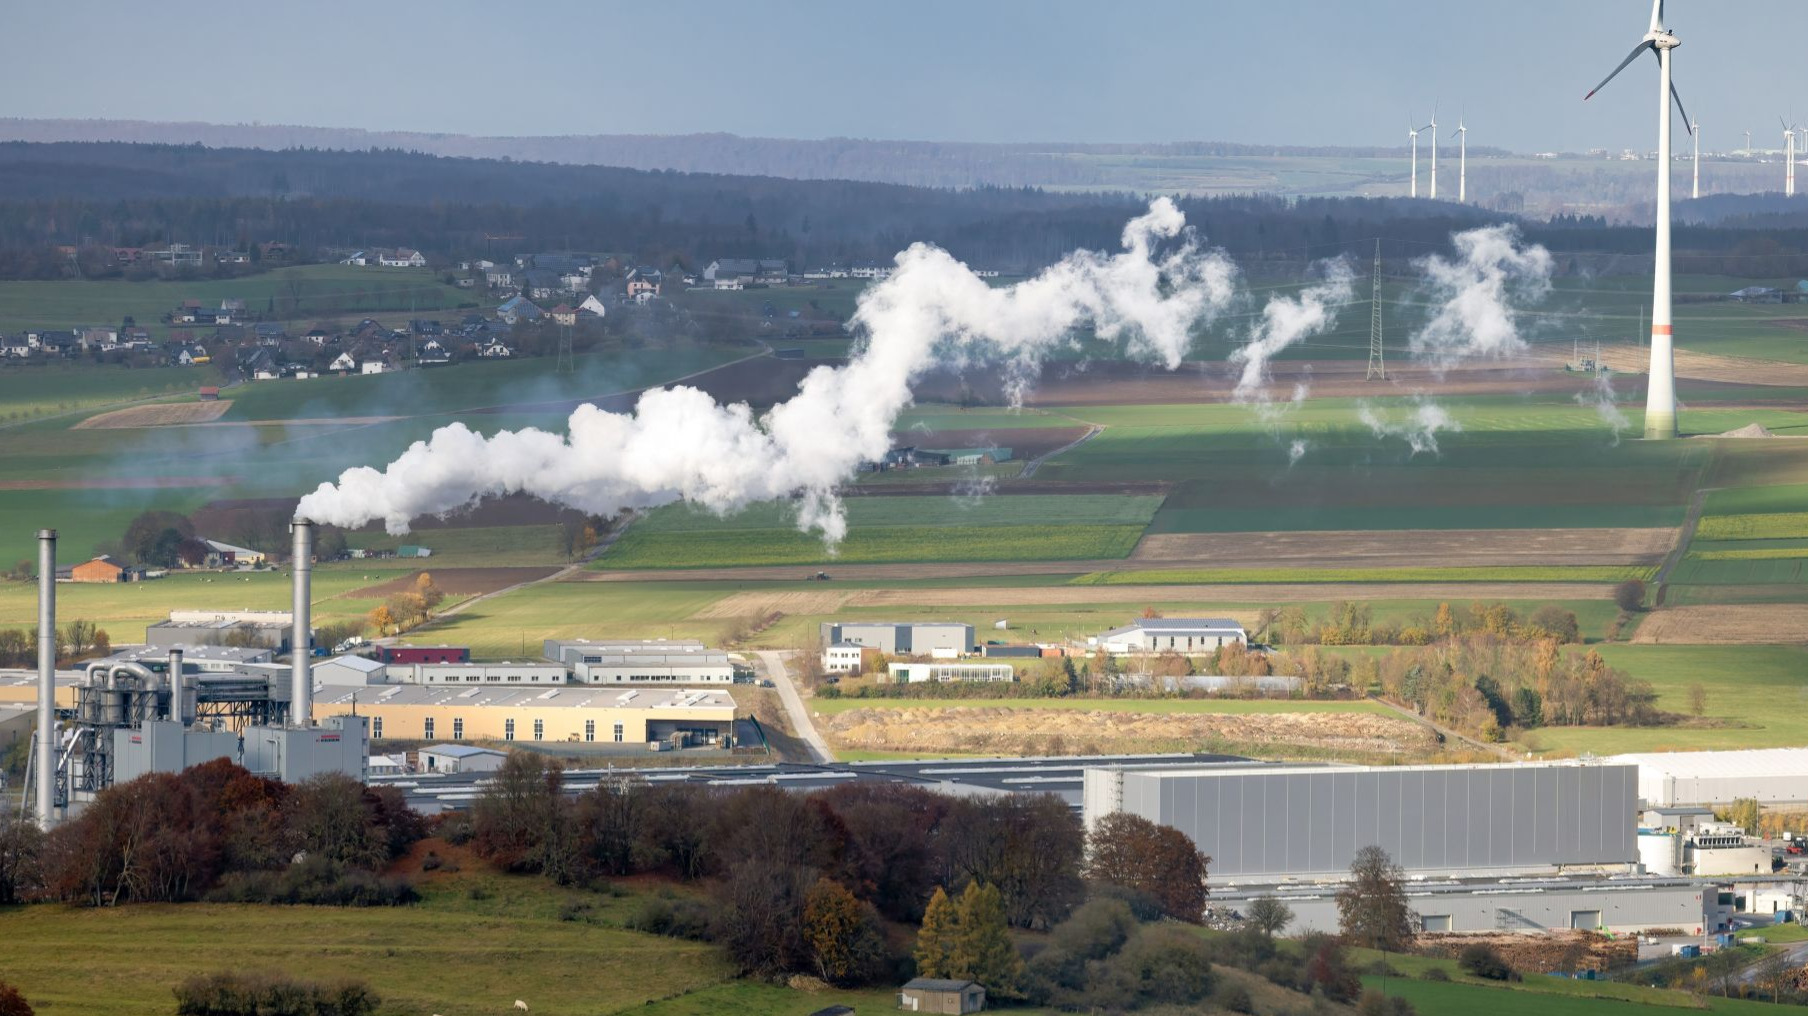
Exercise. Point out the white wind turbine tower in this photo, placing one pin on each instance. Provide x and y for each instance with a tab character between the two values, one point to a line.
1788	158
1413	133
1461	134
1660	391
1433	128
1695	162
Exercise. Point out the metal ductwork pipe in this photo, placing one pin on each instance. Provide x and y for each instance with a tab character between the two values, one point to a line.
177	710
47	648
301	643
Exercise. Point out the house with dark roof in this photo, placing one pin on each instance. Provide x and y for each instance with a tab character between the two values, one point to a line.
540	283
518	308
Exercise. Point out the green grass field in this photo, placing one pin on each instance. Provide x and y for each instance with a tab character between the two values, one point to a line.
887	529
509	627
124	608
1767	526
300	293
29	392
1755	694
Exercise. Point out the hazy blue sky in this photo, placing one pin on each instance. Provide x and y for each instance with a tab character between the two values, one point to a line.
1272	71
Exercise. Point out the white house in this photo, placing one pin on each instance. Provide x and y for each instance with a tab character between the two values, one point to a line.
842	658
591	305
344	361
912	673
360	259
372	367
460	758
495	349
1172	634
401	258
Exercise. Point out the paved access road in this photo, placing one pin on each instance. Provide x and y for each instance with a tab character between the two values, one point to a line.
801	724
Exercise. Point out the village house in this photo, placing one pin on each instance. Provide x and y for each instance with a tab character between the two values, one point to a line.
644	283
402	257
495	349
592	306
563	315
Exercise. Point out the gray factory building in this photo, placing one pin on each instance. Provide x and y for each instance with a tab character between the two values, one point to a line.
269	634
641	661
1521	905
1308	822
902	638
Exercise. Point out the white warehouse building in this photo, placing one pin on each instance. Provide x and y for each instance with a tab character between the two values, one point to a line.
1173	634
1773	776
911	673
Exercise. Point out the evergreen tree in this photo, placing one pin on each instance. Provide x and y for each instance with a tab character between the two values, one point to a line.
983	950
936	939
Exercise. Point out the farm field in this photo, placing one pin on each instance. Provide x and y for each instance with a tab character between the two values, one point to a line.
485	547
124	608
1351	731
1755	698
507	627
300	293
999	528
1532	996
1258	576
36	391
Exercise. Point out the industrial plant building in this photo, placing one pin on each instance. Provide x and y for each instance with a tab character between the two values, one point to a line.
910	673
1771	776
668	717
1288	822
902	638
640	661
1519	905
219	632
1172	634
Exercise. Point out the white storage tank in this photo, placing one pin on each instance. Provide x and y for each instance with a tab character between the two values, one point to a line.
1660	851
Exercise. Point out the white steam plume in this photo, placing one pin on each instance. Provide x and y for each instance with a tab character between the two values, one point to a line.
1419	427
1297	451
1285	321
678	443
1600	397
1472	297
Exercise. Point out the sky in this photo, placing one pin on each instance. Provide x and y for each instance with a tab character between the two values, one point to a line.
1309	72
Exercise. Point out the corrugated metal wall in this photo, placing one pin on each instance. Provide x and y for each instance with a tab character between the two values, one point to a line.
1486	818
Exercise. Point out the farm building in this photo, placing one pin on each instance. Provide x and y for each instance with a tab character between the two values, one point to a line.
911	673
424	654
460	758
902	638
100	569
939	995
971	456
842	658
640	661
229	555
1593	904
1175	634
1772	776
1309	821
595	715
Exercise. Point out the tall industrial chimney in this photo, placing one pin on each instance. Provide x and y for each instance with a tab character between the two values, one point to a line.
47	649
176	711
301	679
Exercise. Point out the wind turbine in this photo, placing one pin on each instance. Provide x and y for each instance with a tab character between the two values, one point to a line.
1660	390
1748	144
1695	163
1788	158
1461	134
1413	133
1433	128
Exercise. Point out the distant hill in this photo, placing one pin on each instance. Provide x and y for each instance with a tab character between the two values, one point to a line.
1061	165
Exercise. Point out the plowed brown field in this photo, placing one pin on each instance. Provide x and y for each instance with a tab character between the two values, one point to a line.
1742	624
160	415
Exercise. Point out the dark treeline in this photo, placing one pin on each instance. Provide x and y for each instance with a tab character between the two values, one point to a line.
217	832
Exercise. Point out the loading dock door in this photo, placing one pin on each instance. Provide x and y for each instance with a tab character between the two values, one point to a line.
1585	920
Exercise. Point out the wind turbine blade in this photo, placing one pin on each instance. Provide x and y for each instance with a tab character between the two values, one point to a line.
1636	50
1657	15
1685	113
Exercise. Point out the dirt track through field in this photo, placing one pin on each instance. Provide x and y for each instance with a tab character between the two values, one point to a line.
1406	548
164	414
1750	624
455	581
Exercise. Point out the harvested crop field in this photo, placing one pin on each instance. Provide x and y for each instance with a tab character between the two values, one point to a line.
1627	358
456	581
754	603
958	730
1408	548
1024	442
1741	624
161	415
